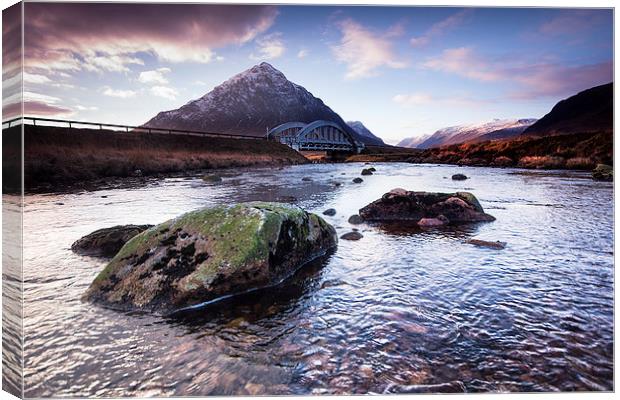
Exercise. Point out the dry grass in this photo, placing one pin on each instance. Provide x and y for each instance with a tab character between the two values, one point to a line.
61	155
542	162
585	163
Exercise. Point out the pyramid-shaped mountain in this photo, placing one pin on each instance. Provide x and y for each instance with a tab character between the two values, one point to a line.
251	103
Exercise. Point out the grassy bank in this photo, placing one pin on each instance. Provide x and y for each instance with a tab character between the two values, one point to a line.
574	151
54	155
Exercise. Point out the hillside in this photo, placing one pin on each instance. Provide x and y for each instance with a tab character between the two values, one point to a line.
251	103
571	151
362	131
587	111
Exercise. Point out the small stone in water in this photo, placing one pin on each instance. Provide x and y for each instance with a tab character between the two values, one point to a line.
330	212
484	243
306	179
352	236
358	180
356	219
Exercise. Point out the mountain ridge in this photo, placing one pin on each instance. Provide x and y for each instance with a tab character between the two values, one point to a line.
490	130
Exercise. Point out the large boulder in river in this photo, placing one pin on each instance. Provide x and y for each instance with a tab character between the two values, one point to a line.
211	253
425	207
107	242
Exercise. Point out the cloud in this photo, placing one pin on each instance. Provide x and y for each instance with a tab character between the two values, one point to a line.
558	80
36	78
154	76
441	28
423	99
123	94
269	47
302	53
572	22
364	51
412	99
71	37
530	80
86	108
463	61
165	92
36	108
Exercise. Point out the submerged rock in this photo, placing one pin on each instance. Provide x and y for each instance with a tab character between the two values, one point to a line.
107	242
430	222
358	180
459	177
212	178
330	212
211	253
603	172
366	171
355	219
402	205
306	179
485	243
355	235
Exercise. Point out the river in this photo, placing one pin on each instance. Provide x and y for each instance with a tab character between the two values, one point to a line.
399	307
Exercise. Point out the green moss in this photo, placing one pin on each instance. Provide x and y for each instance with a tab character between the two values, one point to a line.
238	236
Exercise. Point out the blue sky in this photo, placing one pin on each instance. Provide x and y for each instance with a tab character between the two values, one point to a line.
402	71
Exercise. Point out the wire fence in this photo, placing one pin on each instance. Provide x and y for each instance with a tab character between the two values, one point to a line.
38	121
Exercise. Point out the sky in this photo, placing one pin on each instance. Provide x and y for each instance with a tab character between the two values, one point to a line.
402	71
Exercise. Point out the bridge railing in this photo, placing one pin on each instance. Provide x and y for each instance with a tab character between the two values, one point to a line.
39	121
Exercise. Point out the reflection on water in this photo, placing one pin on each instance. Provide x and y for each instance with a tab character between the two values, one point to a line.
400	307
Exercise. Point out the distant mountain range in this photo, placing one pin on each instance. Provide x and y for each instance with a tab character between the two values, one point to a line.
496	129
365	133
589	111
251	103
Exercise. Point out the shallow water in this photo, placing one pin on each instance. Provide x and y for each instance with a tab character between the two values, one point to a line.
399	307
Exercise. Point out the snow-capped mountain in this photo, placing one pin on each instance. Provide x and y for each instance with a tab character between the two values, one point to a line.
413	142
496	129
250	103
364	132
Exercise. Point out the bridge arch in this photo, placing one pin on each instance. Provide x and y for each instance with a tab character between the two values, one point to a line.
317	135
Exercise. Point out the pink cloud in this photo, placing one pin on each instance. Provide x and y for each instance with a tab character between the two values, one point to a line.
365	51
530	80
463	61
558	80
108	37
441	27
38	108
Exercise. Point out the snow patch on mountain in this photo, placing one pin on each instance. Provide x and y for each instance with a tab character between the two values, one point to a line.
495	129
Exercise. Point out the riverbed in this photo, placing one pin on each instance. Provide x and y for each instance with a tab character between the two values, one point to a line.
400	309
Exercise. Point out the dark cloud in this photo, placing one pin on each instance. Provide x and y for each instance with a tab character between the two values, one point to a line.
108	36
11	40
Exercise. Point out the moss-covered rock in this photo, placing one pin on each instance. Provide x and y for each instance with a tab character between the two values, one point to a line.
210	253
